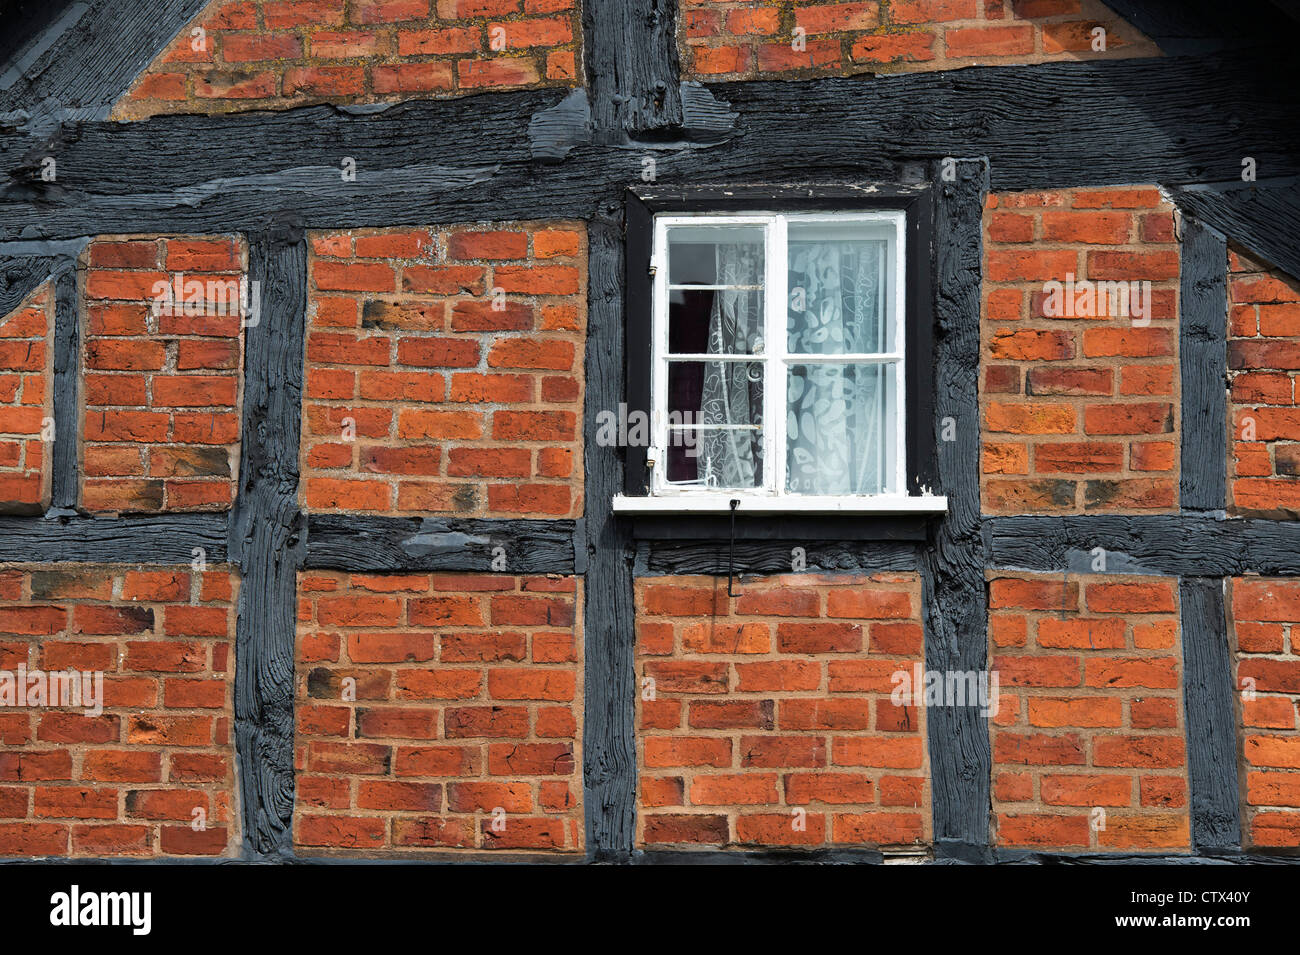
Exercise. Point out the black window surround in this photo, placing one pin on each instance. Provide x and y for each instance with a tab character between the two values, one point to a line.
921	433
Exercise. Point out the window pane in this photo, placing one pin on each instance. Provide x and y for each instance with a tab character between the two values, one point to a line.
715	255
839	291
715	321
841	428
715	423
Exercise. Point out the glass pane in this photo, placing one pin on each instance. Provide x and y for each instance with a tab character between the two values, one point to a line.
841	428
839	290
715	393
715	423
715	321
724	459
715	255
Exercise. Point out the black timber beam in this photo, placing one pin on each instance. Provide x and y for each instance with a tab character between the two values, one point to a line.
20	275
954	592
1211	715
609	632
631	64
663	557
64	484
471	158
1165	544
134	539
366	543
267	537
86	57
1203	362
1259	216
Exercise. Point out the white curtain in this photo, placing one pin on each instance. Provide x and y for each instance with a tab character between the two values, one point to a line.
733	390
835	411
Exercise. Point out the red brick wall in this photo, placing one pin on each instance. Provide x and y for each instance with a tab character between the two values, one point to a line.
457	354
1080	414
160	392
26	371
1264	368
1265	617
731	39
467	700
1091	716
128	781
778	701
276	54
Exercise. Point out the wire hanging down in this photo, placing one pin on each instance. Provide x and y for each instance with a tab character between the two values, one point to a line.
731	550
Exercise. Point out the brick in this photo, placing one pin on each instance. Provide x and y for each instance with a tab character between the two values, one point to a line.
517	722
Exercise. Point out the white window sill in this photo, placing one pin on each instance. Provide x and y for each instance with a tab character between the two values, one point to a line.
789	504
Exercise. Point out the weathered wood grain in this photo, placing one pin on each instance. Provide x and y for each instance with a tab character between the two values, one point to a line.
609	730
65	473
1165	544
20	275
87	58
1211	724
767	557
1203	360
471	157
1259	216
267	538
368	543
954	593
132	539
632	70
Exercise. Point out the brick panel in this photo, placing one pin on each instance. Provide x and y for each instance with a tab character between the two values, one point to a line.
438	712
1088	742
766	719
1079	396
1265	619
1264	370
277	54
161	380
444	371
153	774
26	373
733	39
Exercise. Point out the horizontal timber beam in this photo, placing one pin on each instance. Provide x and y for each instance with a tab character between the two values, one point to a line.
1163	544
1040	126
137	539
660	557
367	543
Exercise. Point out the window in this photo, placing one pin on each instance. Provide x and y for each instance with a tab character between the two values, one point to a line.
778	366
777	354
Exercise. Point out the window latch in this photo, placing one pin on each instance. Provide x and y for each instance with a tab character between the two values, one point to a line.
731	553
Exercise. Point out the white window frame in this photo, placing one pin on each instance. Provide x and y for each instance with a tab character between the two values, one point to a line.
776	358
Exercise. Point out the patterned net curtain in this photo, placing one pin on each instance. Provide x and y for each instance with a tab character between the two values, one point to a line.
835	411
733	390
